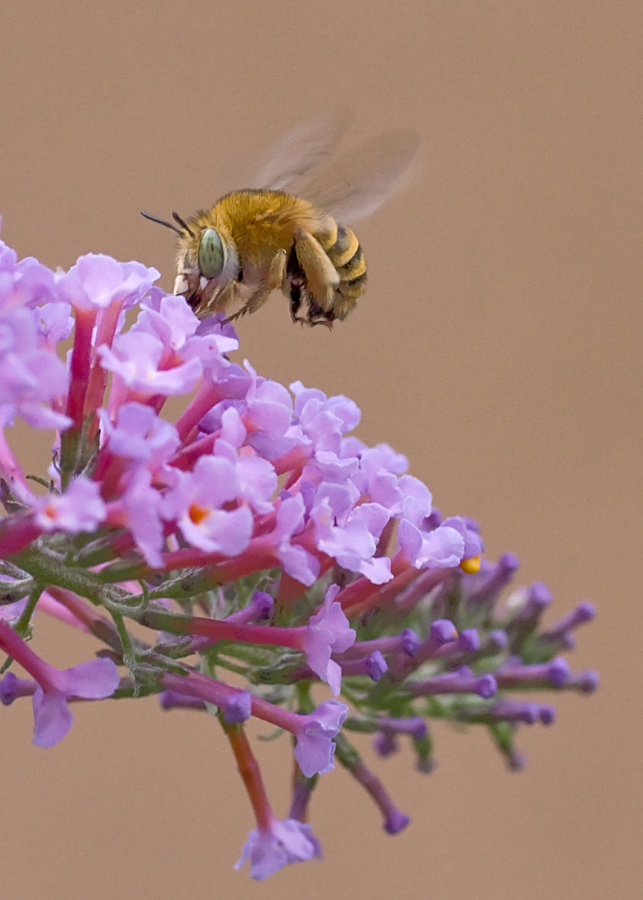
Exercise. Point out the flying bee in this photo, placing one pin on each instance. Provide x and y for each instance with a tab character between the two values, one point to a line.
285	235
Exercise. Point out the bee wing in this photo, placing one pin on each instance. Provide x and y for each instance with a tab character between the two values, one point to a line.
306	147
358	182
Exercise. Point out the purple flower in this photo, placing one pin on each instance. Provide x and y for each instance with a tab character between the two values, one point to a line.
414	726
24	284
140	434
468	640
324	420
282	842
410	642
296	561
441	548
257	479
462	681
195	502
514	711
416	500
237	707
233	431
96	281
173	323
584	612
376	665
267	411
270	405
92	680
315	748
546	713
328	631
31	376
586	682
174	700
394	819
396	822
441	632
141	509
138	358
525	607
56	323
492	579
513	672
385	743
260	608
79	509
12	687
473	545
349	534
380	467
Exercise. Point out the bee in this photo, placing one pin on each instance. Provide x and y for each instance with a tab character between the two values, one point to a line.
287	233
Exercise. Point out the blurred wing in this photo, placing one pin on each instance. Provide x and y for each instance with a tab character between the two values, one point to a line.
307	146
360	181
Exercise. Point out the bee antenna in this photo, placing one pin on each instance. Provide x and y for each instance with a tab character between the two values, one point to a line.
182	223
158	221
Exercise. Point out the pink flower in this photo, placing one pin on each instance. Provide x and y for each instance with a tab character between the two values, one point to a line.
137	357
328	632
315	748
196	502
79	509
275	846
96	281
92	680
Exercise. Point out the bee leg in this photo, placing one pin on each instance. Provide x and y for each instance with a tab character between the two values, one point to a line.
255	301
296	285
235	316
220	301
321	275
275	279
319	316
295	301
277	271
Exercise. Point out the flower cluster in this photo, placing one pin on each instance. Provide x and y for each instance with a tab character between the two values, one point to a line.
253	536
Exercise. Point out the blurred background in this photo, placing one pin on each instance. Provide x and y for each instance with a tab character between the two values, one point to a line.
498	346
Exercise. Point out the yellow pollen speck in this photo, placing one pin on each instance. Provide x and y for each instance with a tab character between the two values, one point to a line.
471	565
197	513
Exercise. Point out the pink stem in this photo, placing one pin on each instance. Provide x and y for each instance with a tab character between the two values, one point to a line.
80	363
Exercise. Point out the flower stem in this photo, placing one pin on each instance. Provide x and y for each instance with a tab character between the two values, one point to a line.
250	773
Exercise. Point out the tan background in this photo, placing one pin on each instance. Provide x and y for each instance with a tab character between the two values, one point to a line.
498	346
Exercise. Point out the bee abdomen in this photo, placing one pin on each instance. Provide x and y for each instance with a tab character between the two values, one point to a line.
354	268
353	288
344	251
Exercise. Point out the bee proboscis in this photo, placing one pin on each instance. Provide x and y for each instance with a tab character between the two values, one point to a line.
288	234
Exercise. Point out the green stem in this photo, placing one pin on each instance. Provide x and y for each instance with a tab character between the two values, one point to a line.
15	590
191	584
22	624
47	568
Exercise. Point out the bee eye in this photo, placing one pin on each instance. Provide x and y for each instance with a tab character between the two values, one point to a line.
211	254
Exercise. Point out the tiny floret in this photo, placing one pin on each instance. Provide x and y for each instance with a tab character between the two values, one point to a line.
272	848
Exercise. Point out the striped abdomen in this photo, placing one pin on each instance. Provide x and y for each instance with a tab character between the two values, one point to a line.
344	251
